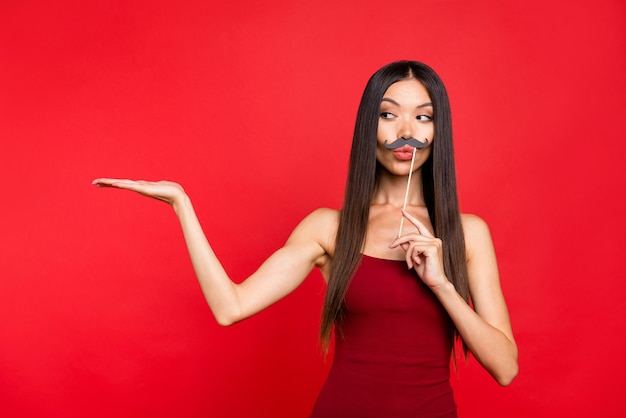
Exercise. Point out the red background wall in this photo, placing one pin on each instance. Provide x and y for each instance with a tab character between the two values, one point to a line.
100	313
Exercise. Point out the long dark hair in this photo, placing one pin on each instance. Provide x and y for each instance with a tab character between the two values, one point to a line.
438	183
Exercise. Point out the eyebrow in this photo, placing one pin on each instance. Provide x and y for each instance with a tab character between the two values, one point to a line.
387	99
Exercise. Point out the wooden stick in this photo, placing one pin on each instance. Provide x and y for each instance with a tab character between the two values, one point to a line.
406	195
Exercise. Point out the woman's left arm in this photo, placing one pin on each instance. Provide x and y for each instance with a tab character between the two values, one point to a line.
486	329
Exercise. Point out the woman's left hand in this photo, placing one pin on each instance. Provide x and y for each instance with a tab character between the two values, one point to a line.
423	253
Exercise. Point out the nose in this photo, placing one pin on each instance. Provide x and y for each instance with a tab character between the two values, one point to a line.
407	130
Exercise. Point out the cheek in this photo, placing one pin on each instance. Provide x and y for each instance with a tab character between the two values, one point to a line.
431	132
425	155
381	151
380	133
381	137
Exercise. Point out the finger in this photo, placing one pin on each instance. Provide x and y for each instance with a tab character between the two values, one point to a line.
143	187
408	239
108	181
422	252
419	255
409	259
121	184
421	228
415	255
102	182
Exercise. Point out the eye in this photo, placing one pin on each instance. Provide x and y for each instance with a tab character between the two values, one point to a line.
386	115
424	118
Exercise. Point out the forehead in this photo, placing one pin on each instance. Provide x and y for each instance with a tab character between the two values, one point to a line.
408	92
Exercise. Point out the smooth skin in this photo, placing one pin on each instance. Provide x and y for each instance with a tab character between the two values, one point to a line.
406	111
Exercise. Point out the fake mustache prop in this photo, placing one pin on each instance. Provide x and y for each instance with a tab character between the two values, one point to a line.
400	142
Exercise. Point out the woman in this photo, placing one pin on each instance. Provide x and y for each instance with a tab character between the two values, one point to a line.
395	301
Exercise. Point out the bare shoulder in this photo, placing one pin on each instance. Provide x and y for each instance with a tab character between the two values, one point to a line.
477	234
473	224
320	227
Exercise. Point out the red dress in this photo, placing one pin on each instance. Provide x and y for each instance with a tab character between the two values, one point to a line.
392	358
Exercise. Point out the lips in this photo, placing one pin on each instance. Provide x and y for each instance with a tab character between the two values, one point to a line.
404	153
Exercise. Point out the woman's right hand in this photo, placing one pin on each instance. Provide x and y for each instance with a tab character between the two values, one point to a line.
278	276
165	191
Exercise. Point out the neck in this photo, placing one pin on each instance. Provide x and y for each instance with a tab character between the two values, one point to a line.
392	190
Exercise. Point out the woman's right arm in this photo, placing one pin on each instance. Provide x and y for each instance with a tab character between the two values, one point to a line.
279	275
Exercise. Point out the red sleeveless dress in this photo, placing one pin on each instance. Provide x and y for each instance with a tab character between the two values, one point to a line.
392	357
